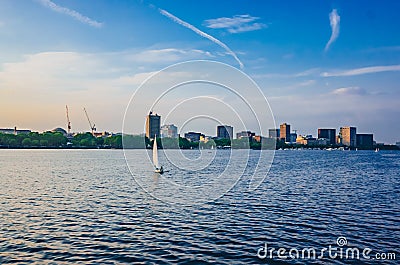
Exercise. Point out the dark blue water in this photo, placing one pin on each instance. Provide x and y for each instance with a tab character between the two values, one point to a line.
73	206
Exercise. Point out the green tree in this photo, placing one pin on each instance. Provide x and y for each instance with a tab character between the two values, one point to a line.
170	143
35	142
133	141
223	142
26	142
44	143
243	143
13	143
186	144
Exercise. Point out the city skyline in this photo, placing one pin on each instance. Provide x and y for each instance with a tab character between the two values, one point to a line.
331	64
153	126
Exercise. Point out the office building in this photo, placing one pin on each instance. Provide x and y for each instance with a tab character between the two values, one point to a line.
224	132
274	133
365	141
169	131
293	137
306	140
258	138
347	136
285	132
323	141
329	134
153	122
194	136
245	134
204	138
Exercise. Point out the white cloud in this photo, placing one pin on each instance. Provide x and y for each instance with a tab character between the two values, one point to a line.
363	70
200	33
334	20
235	24
43	70
34	91
72	13
354	90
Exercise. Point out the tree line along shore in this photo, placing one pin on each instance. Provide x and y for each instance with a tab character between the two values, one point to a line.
56	140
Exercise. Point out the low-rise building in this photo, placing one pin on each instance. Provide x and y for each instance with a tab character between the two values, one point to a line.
245	134
306	140
169	131
274	133
205	138
323	141
194	136
257	138
293	138
14	131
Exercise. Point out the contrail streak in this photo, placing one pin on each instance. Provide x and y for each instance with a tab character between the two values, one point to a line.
201	33
72	13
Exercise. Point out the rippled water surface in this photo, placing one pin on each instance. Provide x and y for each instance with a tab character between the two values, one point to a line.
84	206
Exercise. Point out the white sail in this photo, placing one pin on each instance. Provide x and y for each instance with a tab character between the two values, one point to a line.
155	154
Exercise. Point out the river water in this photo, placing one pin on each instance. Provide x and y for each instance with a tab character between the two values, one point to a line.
91	207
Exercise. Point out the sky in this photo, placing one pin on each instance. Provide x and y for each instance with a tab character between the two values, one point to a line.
320	64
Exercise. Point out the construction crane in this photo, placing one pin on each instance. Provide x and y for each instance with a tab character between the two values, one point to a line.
68	122
93	128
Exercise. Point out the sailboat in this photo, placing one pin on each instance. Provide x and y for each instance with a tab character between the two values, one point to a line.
157	167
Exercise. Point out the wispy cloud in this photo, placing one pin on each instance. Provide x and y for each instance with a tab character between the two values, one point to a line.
306	83
309	72
72	13
306	72
170	55
353	90
364	70
334	20
235	24
384	49
201	33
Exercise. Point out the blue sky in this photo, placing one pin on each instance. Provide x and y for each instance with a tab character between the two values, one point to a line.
319	63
